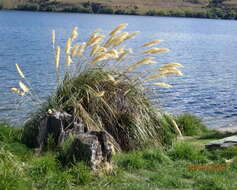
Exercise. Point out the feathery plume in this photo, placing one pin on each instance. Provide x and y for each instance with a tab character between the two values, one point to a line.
100	57
68	60
131	67
121	50
93	35
68	46
162	84
119	39
155	50
17	91
19	71
166	73
150	63
23	87
112	53
122	56
75	49
74	33
132	35
96	40
168	69
145	61
117	29
151	43
95	49
101	50
53	38
111	78
81	49
109	41
57	57
130	50
171	65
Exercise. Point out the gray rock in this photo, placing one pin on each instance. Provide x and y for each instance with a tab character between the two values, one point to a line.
223	143
228	129
53	125
92	147
85	147
106	147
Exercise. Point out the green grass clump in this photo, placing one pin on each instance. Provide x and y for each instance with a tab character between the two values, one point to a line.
169	133
43	166
11	171
221	154
148	159
81	174
8	133
190	125
215	181
123	111
186	151
212	134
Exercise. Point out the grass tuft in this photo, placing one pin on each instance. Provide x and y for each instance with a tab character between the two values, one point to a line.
190	125
99	84
148	159
186	151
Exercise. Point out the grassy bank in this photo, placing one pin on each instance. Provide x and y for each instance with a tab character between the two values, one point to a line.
151	168
189	8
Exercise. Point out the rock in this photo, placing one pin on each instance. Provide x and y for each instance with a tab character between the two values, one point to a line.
106	147
85	147
223	143
229	129
53	125
92	147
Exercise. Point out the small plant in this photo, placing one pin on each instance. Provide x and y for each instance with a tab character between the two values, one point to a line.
9	134
81	174
42	166
100	85
190	125
186	151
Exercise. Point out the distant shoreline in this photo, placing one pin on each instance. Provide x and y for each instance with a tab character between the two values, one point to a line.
214	13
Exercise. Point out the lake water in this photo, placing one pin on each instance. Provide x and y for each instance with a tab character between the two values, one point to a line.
206	48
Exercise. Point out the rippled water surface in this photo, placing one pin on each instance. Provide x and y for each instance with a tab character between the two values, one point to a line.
206	48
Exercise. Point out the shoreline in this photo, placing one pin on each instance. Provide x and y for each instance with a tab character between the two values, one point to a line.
205	14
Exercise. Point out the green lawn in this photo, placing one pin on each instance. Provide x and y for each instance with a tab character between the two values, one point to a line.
152	168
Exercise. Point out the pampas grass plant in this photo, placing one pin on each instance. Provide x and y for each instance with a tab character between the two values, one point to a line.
100	86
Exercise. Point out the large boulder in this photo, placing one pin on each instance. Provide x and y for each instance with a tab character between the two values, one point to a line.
223	143
92	147
89	148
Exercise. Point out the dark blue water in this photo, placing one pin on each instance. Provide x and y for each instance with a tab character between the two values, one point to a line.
206	48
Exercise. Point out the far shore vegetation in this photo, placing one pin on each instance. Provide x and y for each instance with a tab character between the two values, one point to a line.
213	9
